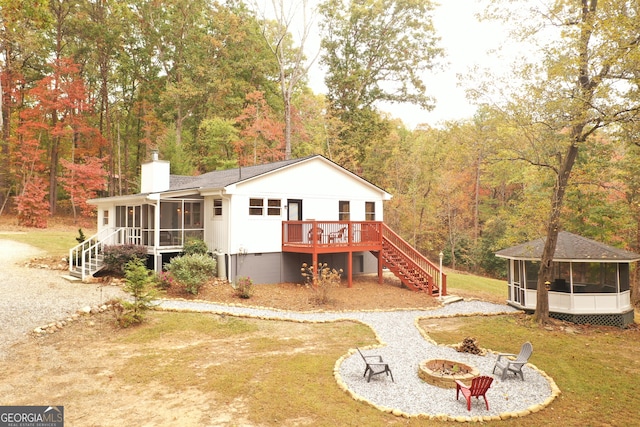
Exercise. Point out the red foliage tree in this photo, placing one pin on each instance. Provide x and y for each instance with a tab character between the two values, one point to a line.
33	209
262	134
54	126
82	181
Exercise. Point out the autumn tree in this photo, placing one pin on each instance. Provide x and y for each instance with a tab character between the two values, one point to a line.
21	25
261	135
82	181
54	126
291	20
588	53
375	51
214	146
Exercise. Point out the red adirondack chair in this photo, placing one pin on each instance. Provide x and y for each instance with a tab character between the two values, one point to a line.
479	387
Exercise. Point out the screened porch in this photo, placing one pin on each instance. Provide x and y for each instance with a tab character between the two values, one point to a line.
169	226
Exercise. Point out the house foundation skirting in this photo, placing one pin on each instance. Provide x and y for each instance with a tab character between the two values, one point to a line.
620	320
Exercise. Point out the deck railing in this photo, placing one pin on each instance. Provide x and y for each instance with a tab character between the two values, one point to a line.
331	233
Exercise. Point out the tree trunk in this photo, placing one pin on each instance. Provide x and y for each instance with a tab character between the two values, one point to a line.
553	227
287	126
5	128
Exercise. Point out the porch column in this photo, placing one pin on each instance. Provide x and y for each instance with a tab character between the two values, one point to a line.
156	237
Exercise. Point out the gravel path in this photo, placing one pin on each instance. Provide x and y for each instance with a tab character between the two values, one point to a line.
35	297
403	347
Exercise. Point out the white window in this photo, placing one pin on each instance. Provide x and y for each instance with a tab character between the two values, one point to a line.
217	208
344	211
370	211
105	217
274	207
256	207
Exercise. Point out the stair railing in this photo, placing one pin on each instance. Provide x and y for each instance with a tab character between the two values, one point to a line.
416	258
85	254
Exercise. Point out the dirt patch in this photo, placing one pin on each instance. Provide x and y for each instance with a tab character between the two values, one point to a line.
105	376
365	294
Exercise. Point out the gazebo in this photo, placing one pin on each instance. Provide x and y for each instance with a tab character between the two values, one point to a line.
590	280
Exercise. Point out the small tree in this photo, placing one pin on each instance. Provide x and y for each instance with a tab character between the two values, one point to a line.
138	283
322	282
32	206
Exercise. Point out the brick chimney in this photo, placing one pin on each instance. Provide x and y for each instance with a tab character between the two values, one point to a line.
154	175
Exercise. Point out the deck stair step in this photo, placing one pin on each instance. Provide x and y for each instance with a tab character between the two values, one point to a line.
411	267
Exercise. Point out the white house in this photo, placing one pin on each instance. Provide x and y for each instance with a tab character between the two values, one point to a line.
260	221
591	282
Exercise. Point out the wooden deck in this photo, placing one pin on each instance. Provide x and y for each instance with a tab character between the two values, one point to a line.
322	237
331	236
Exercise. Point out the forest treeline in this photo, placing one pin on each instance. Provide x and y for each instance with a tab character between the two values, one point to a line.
90	87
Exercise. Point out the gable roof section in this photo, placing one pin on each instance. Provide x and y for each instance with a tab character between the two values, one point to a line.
218	180
570	247
224	178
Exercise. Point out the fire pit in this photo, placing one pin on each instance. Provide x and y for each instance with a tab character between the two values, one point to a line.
444	373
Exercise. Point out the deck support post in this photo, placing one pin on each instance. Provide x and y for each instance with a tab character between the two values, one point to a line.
350	268
380	262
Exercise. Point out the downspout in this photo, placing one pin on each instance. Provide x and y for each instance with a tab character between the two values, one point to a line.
228	199
229	272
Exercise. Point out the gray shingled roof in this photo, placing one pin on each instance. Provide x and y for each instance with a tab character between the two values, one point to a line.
569	247
222	178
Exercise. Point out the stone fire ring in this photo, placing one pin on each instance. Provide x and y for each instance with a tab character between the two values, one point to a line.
444	373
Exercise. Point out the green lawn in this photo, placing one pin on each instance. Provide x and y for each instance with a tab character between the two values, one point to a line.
54	243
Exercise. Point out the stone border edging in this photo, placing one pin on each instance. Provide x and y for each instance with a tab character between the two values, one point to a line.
53	327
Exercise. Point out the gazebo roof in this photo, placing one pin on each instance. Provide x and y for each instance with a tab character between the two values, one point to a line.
570	247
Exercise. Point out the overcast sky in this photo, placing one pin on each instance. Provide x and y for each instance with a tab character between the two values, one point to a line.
466	42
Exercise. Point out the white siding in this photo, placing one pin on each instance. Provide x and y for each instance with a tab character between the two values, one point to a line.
216	229
319	184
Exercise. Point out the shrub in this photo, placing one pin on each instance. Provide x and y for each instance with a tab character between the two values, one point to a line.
137	283
164	280
195	246
116	257
192	271
325	279
243	287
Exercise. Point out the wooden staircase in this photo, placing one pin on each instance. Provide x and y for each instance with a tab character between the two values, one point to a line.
86	258
414	270
87	268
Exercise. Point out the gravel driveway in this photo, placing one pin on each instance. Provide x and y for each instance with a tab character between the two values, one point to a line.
35	297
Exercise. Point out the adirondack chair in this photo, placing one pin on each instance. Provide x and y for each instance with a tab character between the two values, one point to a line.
375	368
506	363
479	387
